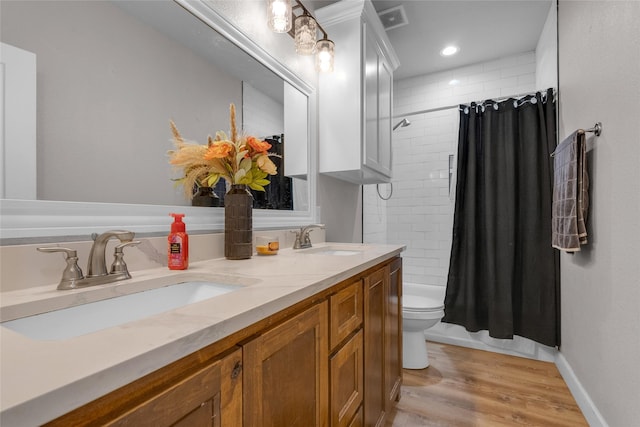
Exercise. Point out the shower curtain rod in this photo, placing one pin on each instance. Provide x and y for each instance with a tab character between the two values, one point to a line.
449	107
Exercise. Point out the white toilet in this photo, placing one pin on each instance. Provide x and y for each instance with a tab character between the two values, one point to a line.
422	308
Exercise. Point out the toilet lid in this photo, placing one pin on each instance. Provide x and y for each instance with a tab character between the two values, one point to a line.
421	303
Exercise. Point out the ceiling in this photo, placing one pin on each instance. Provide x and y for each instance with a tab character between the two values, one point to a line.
483	30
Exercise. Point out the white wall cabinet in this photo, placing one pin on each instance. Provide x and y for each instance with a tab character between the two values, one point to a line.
355	101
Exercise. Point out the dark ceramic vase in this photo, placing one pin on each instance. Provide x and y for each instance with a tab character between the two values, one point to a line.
238	223
206	197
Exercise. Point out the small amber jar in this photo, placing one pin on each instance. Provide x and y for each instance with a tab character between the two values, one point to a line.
267	245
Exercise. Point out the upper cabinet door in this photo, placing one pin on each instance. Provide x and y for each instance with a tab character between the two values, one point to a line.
385	111
378	110
371	103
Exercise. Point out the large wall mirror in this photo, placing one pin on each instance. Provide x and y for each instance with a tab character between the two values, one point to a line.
110	76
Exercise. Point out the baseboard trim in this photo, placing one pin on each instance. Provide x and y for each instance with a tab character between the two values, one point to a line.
589	410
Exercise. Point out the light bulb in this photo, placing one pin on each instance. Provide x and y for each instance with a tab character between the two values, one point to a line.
325	53
279	15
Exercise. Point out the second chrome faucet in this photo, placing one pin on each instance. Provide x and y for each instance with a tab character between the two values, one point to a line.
303	240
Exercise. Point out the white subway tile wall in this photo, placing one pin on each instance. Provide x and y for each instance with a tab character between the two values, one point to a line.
420	212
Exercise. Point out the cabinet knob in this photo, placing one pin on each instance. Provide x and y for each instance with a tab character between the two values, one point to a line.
236	370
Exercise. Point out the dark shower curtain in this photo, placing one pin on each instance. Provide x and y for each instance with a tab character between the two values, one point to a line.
503	273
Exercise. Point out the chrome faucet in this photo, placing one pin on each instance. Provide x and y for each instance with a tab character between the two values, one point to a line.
303	240
97	274
96	264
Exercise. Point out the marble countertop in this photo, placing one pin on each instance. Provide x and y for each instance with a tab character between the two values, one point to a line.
41	380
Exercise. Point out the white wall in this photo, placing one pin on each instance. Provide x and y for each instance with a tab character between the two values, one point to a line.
600	81
17	123
547	51
341	209
262	115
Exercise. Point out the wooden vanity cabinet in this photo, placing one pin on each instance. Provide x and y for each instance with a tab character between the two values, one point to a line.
330	360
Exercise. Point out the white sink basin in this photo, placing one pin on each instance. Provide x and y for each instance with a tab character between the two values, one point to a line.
334	251
95	316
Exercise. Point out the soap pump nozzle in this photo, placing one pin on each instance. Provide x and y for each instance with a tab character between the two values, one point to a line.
177	226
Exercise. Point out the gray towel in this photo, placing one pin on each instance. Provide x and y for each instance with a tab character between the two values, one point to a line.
570	193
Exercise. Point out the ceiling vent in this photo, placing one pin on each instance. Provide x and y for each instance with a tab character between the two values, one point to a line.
393	18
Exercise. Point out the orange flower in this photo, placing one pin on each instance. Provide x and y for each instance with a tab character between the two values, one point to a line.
257	145
218	150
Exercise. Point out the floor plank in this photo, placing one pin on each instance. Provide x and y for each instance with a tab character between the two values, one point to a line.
475	388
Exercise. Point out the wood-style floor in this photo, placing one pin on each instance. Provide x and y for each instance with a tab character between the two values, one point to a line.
467	387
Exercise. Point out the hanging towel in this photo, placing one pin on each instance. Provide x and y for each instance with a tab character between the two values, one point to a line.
570	193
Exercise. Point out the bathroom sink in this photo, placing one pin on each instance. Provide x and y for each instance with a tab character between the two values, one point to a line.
95	316
334	250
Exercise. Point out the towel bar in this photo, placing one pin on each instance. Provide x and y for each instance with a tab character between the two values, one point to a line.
596	129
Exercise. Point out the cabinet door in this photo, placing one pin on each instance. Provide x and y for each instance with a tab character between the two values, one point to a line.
286	373
347	381
385	116
375	295
393	353
378	86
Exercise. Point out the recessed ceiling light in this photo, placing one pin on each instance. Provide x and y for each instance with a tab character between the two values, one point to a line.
449	50
454	82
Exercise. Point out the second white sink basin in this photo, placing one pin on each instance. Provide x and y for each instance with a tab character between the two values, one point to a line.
334	250
95	316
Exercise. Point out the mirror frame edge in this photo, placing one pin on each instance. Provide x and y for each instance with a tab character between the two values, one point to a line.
27	219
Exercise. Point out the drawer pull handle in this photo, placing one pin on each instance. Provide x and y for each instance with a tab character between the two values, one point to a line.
236	370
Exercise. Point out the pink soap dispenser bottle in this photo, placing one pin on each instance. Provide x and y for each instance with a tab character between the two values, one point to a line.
178	244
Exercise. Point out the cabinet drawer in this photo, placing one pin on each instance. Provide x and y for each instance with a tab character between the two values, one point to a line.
345	312
194	399
347	383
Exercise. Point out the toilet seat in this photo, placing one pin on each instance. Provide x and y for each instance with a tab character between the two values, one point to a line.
420	304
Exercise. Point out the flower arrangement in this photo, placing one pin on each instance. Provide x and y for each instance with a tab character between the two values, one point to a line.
238	159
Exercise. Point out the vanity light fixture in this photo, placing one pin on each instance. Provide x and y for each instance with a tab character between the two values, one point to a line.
325	53
279	15
304	32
